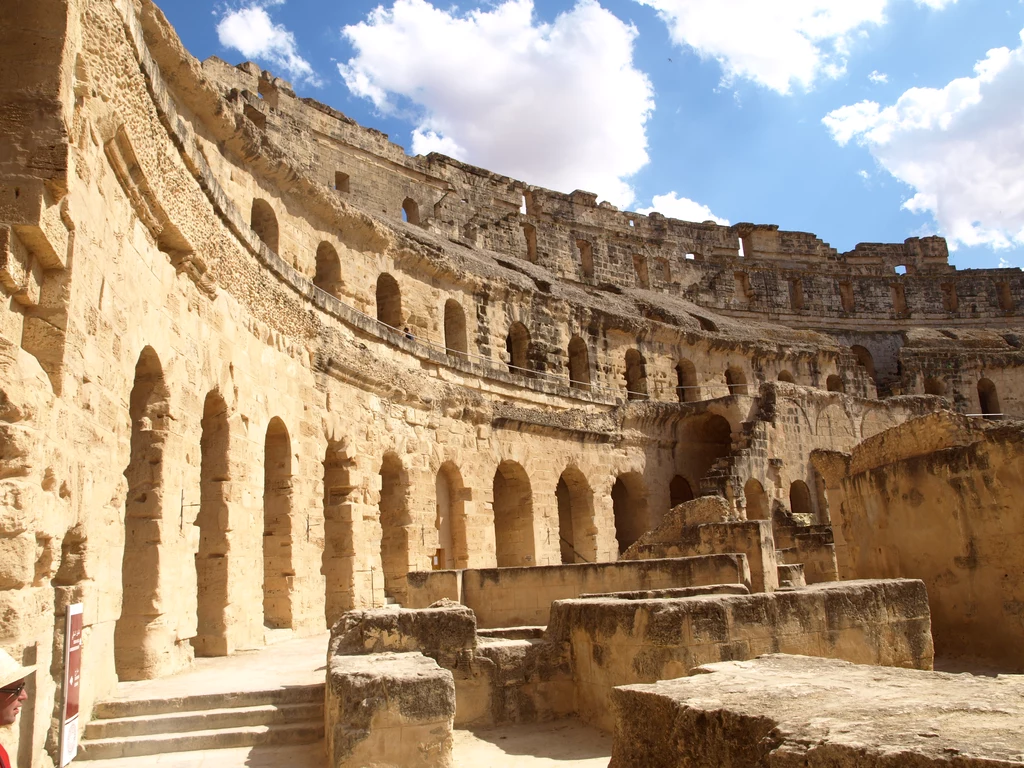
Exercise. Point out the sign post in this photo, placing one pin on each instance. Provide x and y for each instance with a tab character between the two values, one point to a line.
72	683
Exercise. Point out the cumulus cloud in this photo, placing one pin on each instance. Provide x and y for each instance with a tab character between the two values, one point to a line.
252	32
775	44
878	77
676	207
559	105
960	147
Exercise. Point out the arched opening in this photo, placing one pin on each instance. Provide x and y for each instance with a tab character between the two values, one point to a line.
338	558
140	599
679	491
834	383
579	364
394	519
212	558
517	344
410	211
328	269
629	505
800	498
636	375
787	377
577	533
455	340
988	399
736	380
703	439
934	386
864	359
640	268
389	301
278	566
586	253
686	382
757	500
513	516
450	520
263	221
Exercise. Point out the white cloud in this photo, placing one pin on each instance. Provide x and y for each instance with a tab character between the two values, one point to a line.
559	105
676	207
864	174
960	147
774	43
878	77
251	31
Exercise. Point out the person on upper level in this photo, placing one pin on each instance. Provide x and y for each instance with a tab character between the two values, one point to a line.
12	696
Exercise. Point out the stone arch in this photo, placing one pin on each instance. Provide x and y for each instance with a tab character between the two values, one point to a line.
450	520
517	344
389	301
328	269
787	377
988	398
410	211
834	383
636	375
756	500
263	221
864	359
687	389
629	506
213	558
513	516
135	656
703	439
577	531
933	385
579	364
800	498
455	339
337	562
835	428
736	380
679	491
278	554
394	520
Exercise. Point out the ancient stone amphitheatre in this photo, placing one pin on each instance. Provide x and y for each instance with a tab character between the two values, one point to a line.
532	460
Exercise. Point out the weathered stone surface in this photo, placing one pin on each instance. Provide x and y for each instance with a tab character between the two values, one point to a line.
786	711
389	710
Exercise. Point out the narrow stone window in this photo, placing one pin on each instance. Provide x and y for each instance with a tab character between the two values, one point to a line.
899	299
640	268
1005	297
517	344
679	491
455	340
950	301
530	233
636	376
341	181
687	390
988	399
741	288
328	269
800	498
864	359
846	296
586	254
579	364
263	221
389	301
410	211
935	386
835	383
796	294
736	380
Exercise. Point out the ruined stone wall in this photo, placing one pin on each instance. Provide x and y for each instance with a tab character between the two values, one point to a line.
937	499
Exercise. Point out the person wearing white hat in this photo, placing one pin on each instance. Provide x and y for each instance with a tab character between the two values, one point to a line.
12	695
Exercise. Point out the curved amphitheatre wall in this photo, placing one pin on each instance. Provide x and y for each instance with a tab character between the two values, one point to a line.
202	435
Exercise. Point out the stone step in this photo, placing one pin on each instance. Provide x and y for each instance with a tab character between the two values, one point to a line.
218	738
117	708
204	720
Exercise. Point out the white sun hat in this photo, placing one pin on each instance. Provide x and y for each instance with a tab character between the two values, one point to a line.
11	671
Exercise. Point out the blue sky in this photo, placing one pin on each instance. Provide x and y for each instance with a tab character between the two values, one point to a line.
859	120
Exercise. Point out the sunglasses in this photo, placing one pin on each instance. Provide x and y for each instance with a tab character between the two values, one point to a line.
13	690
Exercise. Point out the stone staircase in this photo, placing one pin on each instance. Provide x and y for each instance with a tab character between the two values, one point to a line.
136	727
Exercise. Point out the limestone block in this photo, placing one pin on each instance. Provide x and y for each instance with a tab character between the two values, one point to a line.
788	711
443	633
17	561
389	710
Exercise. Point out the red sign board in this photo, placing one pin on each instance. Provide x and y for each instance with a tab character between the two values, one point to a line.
72	683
